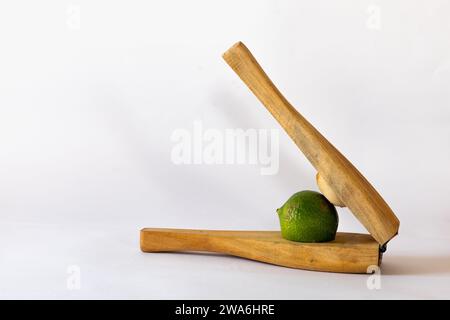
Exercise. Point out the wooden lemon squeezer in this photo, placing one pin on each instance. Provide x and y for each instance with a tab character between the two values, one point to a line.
337	178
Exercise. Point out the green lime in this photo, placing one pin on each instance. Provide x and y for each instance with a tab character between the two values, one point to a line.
308	217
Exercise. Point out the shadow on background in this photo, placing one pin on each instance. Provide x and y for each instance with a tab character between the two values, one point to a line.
410	265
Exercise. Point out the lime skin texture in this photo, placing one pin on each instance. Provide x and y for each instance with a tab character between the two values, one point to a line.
307	216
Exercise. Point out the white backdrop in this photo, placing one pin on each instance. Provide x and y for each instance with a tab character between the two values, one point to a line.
92	91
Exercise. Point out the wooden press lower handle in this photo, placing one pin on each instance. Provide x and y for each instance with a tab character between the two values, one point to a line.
350	252
170	240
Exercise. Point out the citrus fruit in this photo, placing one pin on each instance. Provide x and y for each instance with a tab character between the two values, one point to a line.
308	216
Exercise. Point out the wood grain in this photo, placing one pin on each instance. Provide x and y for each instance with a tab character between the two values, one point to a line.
349	253
342	177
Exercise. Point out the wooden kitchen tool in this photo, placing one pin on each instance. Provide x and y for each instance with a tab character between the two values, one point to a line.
349	252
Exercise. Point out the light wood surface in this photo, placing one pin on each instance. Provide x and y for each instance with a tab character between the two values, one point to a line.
349	252
341	176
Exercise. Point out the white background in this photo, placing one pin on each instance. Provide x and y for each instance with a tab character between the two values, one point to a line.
91	91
